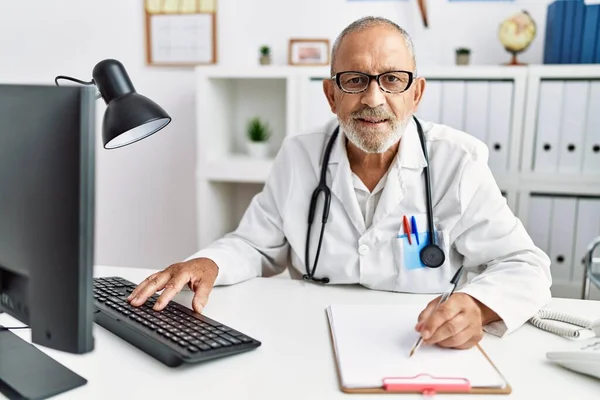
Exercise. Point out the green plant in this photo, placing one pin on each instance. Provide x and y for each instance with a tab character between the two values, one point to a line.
258	131
463	50
265	50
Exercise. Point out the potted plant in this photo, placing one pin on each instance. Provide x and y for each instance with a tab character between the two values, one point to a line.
462	56
258	138
265	55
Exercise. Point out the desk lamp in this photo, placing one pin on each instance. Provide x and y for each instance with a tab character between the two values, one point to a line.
129	116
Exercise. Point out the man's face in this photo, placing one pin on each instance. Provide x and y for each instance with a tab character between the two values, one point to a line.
373	119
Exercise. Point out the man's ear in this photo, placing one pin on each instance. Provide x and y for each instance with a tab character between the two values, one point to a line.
418	93
329	90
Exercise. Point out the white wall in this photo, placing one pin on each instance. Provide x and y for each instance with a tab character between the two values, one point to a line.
245	25
145	198
145	192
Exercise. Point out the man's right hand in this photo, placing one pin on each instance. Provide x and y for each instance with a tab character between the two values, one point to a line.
199	274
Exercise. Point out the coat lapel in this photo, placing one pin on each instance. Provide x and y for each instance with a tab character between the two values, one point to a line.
409	160
342	186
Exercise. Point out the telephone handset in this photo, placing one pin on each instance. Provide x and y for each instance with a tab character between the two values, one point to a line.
544	320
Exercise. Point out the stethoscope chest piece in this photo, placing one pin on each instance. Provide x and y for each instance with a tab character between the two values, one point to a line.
432	256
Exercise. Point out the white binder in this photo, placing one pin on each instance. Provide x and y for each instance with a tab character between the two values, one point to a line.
548	126
500	118
453	104
574	114
562	238
317	111
588	228
477	109
539	223
591	147
430	105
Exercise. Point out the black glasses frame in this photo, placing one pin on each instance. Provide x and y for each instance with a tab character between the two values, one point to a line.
336	78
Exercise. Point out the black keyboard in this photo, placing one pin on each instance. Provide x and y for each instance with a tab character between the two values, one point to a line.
173	336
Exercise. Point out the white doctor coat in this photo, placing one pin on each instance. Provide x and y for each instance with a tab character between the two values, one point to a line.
474	226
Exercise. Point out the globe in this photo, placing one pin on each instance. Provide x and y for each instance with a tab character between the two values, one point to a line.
516	34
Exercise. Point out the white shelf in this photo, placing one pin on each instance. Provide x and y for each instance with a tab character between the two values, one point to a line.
472	72
575	184
291	99
237	168
571	71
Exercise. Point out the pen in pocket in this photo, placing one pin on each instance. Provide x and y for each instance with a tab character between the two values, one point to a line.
407	230
414	228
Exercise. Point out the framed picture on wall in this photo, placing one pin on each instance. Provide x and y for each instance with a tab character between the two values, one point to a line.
309	52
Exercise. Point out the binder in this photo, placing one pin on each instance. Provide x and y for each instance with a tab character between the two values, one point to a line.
554	32
566	53
570	153
477	109
591	147
562	239
500	122
577	33
318	111
371	344
588	228
538	224
453	104
590	33
548	126
430	105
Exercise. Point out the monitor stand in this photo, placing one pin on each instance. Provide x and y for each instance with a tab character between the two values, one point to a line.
28	373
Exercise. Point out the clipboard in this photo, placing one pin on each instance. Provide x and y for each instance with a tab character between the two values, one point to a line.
420	383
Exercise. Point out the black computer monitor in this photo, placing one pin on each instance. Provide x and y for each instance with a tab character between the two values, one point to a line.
46	223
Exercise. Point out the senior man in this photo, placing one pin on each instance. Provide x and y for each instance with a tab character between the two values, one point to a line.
371	167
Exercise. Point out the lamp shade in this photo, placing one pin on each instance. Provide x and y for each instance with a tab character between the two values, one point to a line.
129	116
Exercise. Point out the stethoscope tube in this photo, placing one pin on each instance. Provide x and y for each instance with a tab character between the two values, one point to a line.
431	255
322	187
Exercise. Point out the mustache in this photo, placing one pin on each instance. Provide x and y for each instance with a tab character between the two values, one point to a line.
368	112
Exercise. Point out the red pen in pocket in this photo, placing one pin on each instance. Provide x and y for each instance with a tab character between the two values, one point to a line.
407	230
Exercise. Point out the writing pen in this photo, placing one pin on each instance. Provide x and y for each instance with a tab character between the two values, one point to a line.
413	223
444	297
407	229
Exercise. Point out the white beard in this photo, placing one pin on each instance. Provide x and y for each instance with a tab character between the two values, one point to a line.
374	142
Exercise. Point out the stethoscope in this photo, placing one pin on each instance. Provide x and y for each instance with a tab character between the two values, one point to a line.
431	255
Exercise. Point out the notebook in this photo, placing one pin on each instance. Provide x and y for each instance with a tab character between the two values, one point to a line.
373	342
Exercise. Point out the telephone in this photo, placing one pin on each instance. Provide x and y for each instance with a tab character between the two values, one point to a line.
586	358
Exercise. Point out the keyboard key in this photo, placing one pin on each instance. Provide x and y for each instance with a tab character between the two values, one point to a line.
244	339
223	342
192	349
231	339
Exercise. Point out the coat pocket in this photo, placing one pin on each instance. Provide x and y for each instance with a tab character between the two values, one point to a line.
413	275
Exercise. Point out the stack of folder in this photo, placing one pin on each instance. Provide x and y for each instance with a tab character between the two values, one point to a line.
572	33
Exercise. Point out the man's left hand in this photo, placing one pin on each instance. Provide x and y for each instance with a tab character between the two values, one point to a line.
457	323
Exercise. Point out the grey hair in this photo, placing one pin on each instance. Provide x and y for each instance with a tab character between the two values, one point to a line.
368	22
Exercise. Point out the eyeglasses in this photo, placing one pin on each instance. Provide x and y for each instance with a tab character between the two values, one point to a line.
357	82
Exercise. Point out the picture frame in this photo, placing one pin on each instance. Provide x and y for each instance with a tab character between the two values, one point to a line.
309	52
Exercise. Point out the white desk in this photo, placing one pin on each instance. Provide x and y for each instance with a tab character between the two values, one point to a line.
295	360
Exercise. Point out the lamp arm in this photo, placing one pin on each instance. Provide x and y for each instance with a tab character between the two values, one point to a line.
68	78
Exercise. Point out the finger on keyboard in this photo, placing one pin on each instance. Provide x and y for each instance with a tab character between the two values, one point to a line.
172	287
149	287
